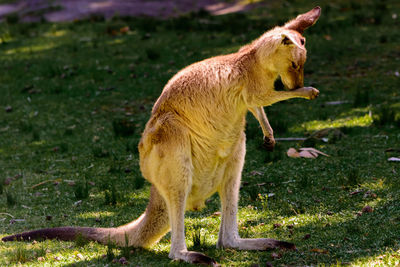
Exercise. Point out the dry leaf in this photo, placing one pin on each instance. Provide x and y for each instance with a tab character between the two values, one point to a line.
355	192
313	150
254	173
319	250
124	29
308	154
306	236
8	108
275	255
277	225
305	152
216	214
367	209
293	153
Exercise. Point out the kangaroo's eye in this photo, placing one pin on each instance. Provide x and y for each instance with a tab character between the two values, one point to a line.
294	66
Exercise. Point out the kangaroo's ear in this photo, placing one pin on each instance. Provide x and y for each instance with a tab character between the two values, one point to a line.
291	39
304	21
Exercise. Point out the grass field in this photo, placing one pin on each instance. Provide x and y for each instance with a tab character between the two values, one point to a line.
75	98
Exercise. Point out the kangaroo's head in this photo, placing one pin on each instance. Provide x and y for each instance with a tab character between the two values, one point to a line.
282	50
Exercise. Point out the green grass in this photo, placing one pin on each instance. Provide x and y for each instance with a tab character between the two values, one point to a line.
75	98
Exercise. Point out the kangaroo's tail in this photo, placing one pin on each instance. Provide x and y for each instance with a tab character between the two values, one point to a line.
143	232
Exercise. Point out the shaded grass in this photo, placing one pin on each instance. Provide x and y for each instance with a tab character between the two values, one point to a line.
81	94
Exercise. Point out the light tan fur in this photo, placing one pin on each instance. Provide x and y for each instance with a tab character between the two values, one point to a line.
194	143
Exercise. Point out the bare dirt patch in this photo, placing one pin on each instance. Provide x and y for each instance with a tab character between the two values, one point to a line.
69	10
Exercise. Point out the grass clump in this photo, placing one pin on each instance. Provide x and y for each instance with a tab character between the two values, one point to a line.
11	199
361	98
80	240
111	196
198	238
386	116
20	255
81	190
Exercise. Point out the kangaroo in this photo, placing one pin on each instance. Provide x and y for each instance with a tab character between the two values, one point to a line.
194	142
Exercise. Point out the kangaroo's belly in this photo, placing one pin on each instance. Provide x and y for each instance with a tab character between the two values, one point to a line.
204	184
209	170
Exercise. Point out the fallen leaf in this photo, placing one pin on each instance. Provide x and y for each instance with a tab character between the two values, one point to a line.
12	221
319	250
338	102
369	194
124	29
254	173
47	181
308	154
305	152
275	255
306	236
293	153
367	209
311	149
355	192
8	180
394	159
216	214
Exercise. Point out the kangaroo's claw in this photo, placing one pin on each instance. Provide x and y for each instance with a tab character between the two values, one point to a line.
269	143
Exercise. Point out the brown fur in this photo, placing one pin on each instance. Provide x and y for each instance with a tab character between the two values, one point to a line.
194	143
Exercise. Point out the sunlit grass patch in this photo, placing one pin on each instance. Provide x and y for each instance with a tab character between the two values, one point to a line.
55	33
95	215
351	121
31	49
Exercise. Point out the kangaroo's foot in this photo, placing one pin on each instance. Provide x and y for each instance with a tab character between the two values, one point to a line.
193	257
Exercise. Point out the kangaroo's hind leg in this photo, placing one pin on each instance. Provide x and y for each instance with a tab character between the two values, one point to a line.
229	194
171	173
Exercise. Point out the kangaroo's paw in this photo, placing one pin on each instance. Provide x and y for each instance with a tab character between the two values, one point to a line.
306	92
195	258
312	92
269	143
